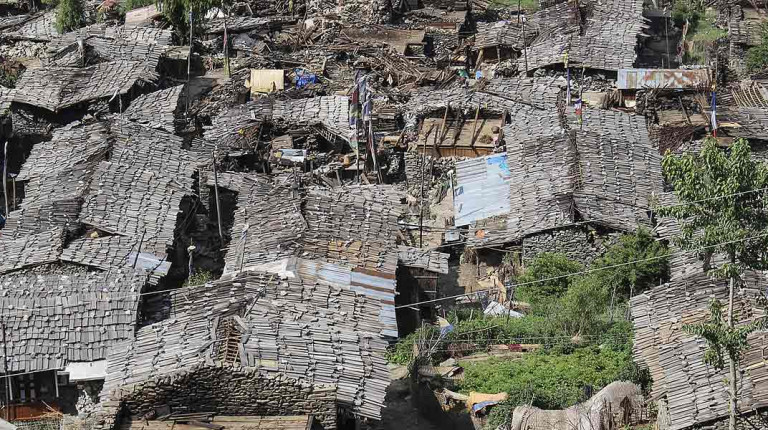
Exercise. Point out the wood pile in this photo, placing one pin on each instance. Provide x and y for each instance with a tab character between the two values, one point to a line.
54	319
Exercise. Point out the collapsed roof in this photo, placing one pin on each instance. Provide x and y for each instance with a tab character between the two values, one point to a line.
675	358
55	88
295	323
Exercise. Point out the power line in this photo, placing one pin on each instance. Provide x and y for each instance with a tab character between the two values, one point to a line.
583	272
712	198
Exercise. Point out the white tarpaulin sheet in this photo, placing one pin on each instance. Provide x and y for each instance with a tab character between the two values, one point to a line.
87	371
482	189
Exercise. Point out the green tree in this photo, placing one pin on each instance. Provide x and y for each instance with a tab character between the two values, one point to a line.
580	309
636	262
721	211
722	339
546	278
177	12
70	15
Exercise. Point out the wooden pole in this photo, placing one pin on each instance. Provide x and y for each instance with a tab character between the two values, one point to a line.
216	192
525	50
7	377
5	176
226	43
421	196
138	251
474	127
189	59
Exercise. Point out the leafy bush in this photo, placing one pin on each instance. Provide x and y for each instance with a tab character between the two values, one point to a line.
757	57
70	15
635	263
135	4
690	10
549	380
199	278
546	266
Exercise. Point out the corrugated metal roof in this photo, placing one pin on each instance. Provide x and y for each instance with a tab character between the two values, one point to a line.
482	189
673	79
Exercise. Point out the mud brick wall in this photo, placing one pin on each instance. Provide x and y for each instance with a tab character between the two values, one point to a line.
231	391
580	244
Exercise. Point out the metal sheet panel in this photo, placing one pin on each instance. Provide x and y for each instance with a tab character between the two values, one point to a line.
673	79
482	189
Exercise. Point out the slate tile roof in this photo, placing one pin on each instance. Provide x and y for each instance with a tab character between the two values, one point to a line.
132	201
55	88
55	319
607	173
29	250
115	252
305	325
611	29
159	109
695	393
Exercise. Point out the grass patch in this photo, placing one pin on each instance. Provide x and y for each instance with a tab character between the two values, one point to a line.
526	5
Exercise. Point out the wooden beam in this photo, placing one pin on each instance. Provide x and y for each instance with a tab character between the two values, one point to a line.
474	127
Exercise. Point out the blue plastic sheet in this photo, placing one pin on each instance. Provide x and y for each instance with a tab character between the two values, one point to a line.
304	78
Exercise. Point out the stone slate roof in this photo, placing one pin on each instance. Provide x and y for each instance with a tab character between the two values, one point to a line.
57	175
610	34
302	324
69	146
131	201
607	173
354	226
429	260
268	224
41	28
55	88
158	109
115	252
328	113
674	357
119	43
55	319
140	189
527	97
29	250
151	149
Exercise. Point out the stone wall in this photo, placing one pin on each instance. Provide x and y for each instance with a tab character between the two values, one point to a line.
583	244
230	391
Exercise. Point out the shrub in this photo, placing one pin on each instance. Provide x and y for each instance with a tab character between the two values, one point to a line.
69	15
757	57
549	380
135	4
546	266
689	10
